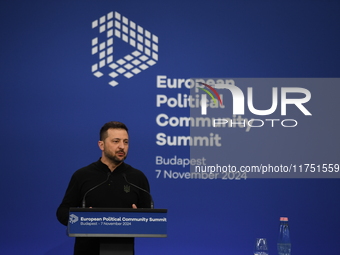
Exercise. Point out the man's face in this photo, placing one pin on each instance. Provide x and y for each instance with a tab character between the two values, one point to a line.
115	146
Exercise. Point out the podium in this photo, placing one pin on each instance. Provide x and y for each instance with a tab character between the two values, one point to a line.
121	223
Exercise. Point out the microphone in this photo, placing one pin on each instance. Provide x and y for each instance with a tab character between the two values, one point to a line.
83	202
151	200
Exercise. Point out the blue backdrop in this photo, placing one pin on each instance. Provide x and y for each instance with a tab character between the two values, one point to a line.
52	107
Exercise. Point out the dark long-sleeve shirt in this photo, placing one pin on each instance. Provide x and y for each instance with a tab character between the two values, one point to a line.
114	193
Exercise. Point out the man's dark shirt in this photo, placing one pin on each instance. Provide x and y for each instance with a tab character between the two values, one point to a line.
114	193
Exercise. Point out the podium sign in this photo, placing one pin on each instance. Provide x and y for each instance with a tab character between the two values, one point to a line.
117	222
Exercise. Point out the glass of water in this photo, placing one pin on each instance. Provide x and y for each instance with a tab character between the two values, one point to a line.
261	247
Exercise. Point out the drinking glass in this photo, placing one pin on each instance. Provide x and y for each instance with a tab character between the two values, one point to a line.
261	247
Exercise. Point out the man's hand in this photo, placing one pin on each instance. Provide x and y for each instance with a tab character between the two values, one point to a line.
134	206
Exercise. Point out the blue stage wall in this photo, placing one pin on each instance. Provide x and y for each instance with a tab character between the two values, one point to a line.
53	103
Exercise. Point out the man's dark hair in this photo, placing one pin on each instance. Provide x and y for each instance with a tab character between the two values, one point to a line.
112	124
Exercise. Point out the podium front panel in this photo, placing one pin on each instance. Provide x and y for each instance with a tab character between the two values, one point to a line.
104	222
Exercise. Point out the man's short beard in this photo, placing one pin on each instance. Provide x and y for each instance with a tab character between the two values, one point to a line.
113	158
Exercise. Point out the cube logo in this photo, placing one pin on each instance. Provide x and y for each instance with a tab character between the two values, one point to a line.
73	218
115	26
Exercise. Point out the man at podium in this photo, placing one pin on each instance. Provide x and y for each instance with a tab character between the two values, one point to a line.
105	183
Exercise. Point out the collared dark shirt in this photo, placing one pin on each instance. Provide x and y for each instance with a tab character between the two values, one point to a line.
114	193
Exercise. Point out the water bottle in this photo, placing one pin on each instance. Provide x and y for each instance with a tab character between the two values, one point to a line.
283	244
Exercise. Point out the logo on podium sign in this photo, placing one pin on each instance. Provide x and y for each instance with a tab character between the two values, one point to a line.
73	218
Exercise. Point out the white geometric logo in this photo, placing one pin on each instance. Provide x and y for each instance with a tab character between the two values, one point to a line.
116	25
73	218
